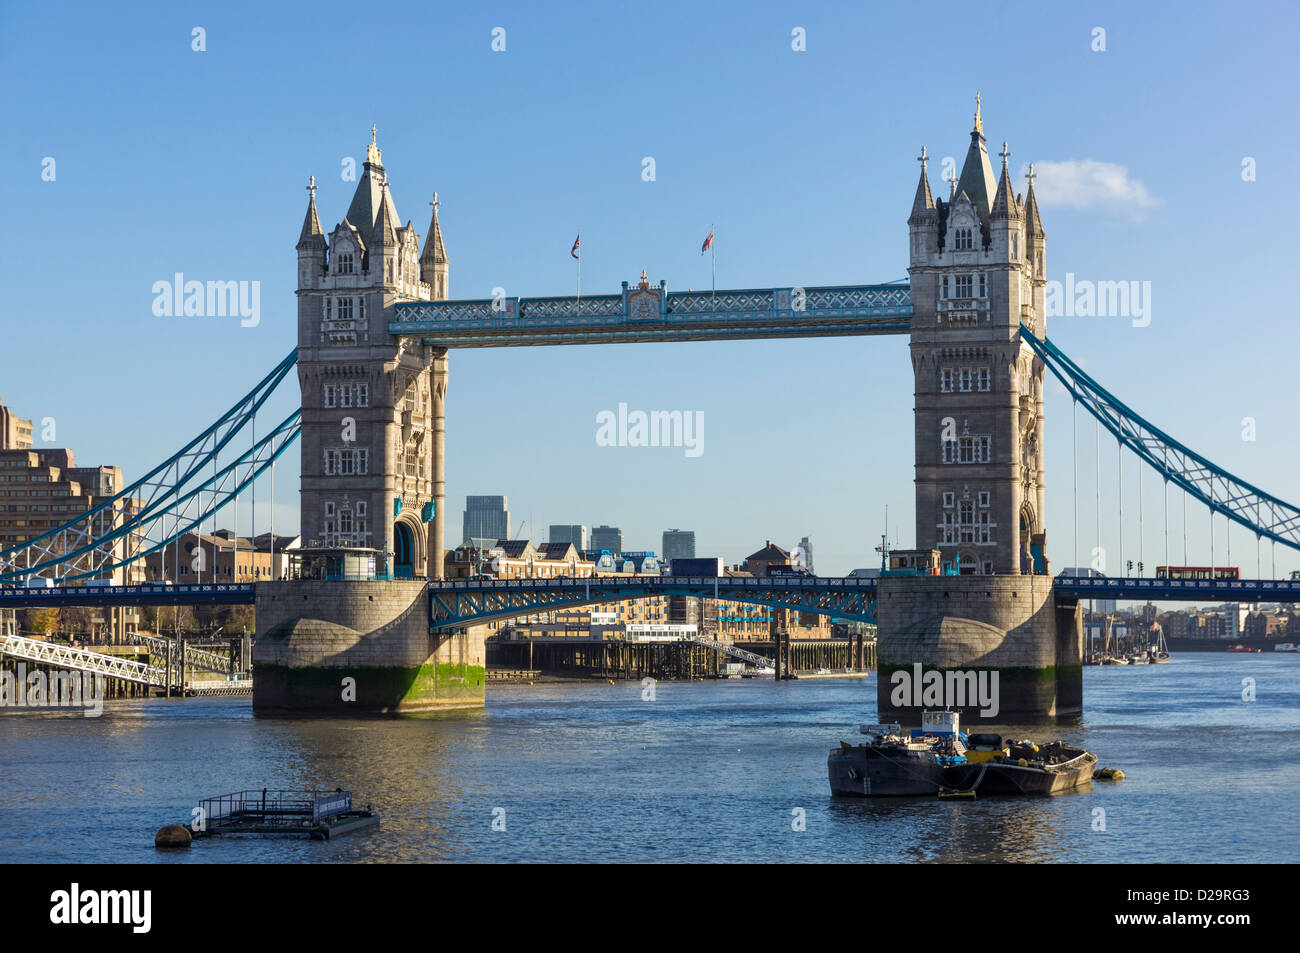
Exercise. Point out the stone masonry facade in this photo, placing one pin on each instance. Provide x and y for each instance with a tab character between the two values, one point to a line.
977	273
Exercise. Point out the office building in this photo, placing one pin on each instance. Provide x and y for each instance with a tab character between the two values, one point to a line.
678	544
486	517
574	533
608	538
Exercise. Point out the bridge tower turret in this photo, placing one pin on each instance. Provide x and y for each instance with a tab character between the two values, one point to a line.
366	397
976	275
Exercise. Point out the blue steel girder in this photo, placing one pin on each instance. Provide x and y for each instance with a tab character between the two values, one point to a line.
219	593
1185	590
462	602
1221	491
163	504
653	314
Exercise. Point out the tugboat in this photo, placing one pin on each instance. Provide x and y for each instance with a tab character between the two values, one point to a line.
889	764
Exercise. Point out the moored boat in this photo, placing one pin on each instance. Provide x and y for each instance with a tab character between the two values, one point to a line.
890	764
939	759
1025	768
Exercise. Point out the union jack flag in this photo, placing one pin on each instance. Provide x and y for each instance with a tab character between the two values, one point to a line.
574	250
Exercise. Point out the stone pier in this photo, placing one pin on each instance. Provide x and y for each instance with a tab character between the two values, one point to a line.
359	648
1009	624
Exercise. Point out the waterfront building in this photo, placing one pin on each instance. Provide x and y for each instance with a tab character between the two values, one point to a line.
218	557
42	489
15	433
486	517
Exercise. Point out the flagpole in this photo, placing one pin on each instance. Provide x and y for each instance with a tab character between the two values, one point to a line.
713	258
579	299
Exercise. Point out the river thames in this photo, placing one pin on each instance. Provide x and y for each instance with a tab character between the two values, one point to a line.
704	772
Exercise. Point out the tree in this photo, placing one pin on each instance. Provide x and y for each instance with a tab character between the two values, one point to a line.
40	622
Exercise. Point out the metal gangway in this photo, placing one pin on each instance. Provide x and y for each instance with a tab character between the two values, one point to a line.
726	648
194	658
83	660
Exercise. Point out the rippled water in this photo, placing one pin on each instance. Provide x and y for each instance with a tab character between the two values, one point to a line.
709	771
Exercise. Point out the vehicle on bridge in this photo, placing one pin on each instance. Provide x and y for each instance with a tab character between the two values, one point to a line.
785	572
1197	572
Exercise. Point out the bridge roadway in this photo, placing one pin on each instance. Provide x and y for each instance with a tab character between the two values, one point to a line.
461	602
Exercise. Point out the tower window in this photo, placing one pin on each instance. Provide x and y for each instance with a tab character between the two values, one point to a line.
945	380
964	380
984	379
963	286
984	498
966	450
966	522
948	500
963	240
983	290
945	287
345	263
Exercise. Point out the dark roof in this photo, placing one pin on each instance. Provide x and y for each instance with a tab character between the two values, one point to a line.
514	547
770	552
977	177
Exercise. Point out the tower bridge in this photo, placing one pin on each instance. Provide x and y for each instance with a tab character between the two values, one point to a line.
376	326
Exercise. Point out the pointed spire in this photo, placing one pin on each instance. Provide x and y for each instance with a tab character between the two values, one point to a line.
373	155
976	173
385	232
311	231
1033	224
923	204
1004	204
435	253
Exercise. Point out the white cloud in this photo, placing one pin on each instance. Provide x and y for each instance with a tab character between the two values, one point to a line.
1089	184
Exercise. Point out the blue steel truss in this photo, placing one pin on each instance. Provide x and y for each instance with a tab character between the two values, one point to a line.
1218	489
1175	590
147	594
167	502
464	602
650	314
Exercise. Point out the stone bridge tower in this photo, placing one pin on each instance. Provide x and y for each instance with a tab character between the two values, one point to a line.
976	267
976	270
372	479
372	405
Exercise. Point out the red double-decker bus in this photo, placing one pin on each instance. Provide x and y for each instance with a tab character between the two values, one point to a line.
1197	572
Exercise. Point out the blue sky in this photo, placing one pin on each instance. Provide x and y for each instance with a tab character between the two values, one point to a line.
173	160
